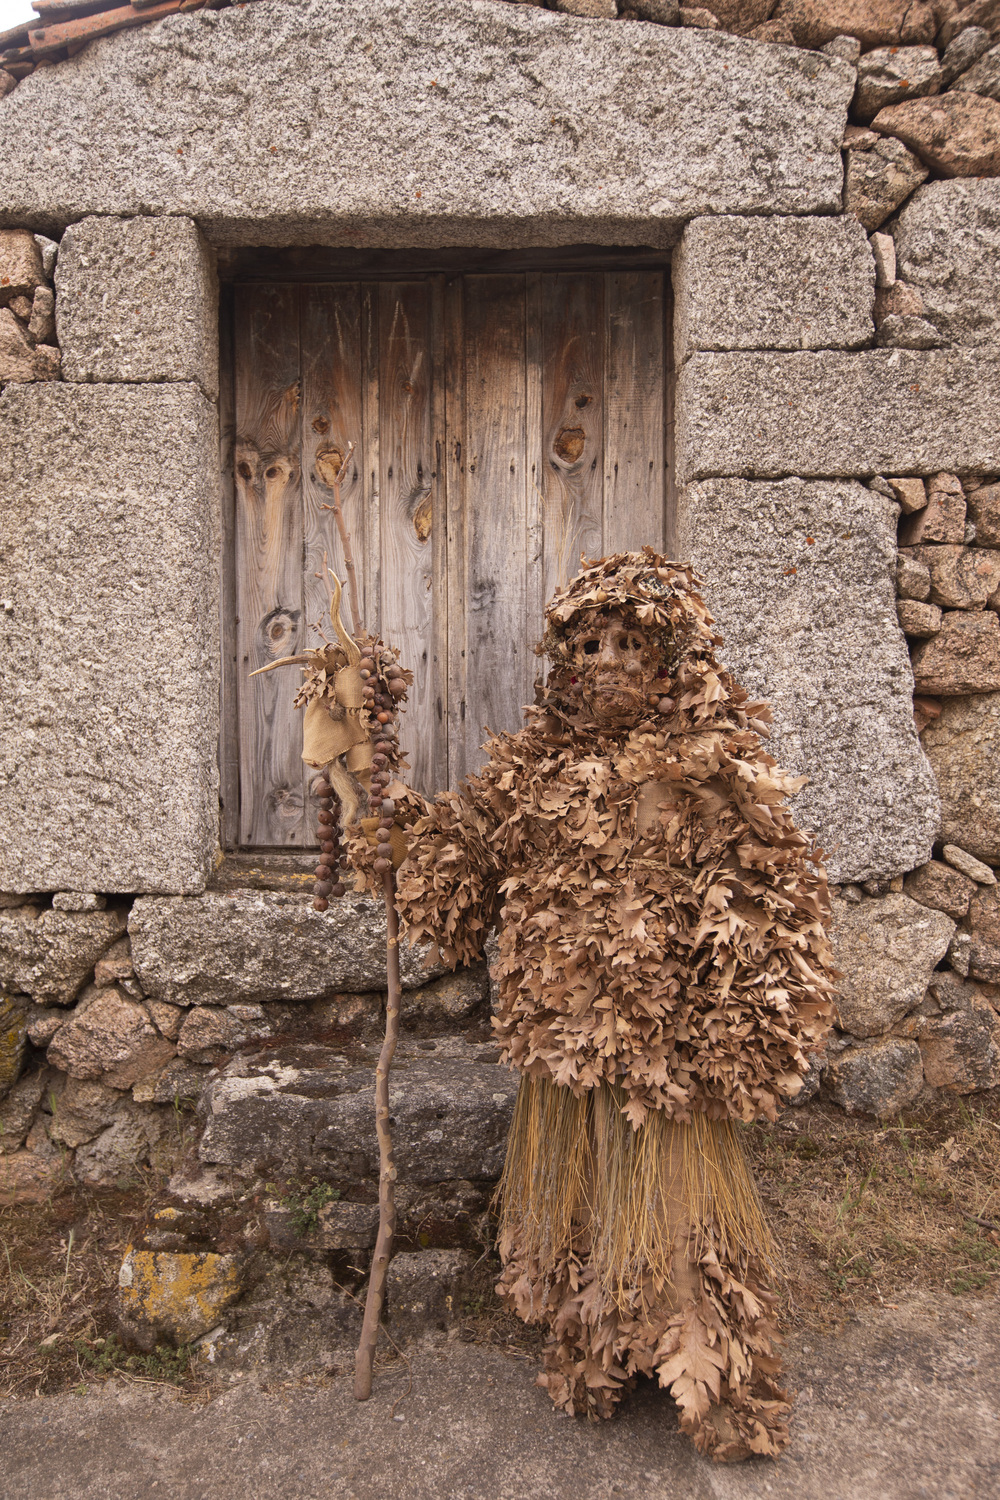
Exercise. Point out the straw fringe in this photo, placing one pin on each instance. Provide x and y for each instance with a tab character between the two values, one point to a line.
578	1178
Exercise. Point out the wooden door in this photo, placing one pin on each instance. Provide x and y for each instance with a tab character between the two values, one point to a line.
503	422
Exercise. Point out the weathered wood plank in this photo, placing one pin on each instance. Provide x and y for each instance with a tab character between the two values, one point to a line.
633	411
269	562
332	418
499	663
406	464
229	746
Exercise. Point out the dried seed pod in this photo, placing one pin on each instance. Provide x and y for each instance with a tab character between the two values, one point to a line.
322	872
366	664
384	717
322	888
320	904
397	687
384	851
327	846
381	866
325	819
339	889
666	705
322	788
388	808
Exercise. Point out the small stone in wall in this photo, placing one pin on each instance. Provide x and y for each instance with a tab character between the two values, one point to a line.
984	512
21	269
27	1177
888	75
13	1039
984	77
113	1040
919	620
912	497
209	1033
119	1149
877	1078
778	33
42	320
82	1109
942	519
962	748
78	901
167	1019
899	299
875	23
741	16
960	1046
17	1110
887	950
959	859
21	361
43	1023
49	954
961	577
964	49
880	176
900	332
846	47
955	134
455	997
964	657
938	885
662	12
884	251
424	1290
925	711
115	965
913	578
591	10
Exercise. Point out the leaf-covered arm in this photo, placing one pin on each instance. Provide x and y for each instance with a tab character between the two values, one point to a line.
447	887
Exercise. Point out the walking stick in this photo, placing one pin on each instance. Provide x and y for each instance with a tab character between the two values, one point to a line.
380	662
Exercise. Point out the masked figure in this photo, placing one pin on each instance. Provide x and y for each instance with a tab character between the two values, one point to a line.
664	973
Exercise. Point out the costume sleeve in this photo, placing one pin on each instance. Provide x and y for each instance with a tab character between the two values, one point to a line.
448	886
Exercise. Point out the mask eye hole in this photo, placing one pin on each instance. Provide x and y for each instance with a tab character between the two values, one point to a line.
591	647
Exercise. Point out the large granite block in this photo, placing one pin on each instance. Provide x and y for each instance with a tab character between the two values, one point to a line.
229	946
424	122
137	300
801	577
109	654
948	245
882	411
772	283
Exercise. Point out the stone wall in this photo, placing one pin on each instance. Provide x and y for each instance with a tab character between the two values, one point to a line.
837	354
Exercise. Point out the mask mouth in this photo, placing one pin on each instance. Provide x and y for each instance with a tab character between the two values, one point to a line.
615	696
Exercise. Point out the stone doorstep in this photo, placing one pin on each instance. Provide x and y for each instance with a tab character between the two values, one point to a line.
451	1116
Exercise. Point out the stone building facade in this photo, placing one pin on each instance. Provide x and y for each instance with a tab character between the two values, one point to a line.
832	234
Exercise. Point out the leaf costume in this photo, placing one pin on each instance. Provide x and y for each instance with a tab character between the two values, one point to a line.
664	974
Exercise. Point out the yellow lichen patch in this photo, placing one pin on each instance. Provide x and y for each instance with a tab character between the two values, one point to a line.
180	1294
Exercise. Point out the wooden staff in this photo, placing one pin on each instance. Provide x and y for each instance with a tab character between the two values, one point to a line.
387	1166
375	1300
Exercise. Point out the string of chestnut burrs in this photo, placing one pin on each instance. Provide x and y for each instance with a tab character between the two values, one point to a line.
382	690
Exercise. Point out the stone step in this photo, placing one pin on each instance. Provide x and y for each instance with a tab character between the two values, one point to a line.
308	1109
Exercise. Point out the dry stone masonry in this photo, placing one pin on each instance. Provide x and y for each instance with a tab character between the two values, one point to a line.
826	176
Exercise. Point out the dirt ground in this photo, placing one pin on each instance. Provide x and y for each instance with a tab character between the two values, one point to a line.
902	1404
892	1289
